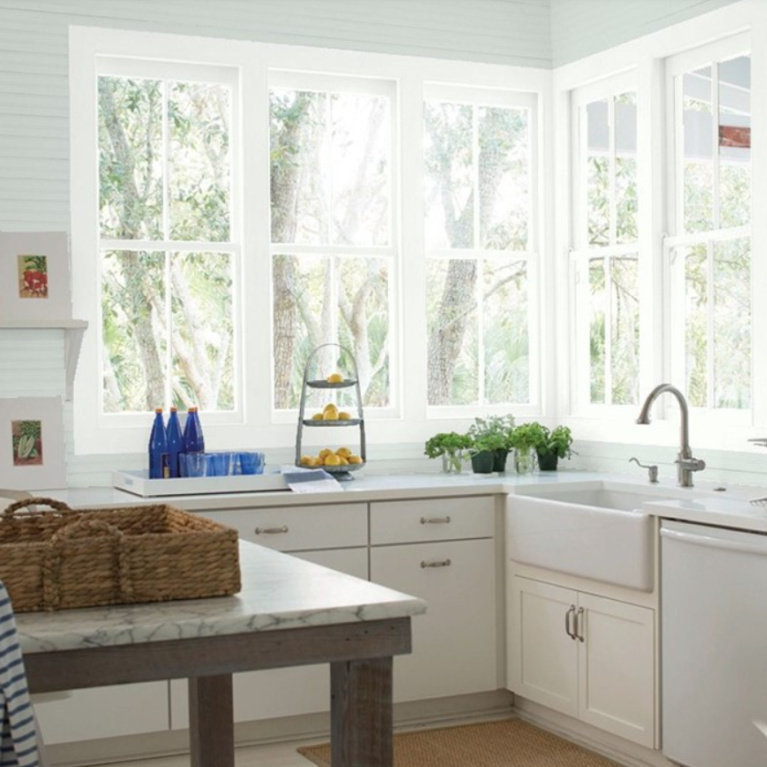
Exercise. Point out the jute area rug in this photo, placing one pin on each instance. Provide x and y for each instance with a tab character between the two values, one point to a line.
508	743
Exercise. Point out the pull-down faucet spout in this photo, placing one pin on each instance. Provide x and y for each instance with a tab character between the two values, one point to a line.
686	464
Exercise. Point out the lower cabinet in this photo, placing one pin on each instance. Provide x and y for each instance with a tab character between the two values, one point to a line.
454	643
102	712
584	655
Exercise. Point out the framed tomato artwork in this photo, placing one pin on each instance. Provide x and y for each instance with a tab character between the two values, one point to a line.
34	276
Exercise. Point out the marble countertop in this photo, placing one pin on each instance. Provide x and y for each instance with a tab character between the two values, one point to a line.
278	592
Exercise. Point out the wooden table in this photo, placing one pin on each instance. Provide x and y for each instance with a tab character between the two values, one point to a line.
289	613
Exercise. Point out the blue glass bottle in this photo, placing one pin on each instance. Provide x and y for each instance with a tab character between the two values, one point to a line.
194	442
175	443
158	448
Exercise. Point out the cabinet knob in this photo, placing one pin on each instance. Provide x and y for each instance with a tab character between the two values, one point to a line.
438	563
271	530
435	520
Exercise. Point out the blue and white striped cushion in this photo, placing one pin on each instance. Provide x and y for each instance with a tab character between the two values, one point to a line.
18	728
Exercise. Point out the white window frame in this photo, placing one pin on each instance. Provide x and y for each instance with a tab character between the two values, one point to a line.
674	268
581	252
391	253
259	427
478	97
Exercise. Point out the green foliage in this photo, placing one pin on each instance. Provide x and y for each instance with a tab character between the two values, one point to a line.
446	443
557	442
527	435
491	433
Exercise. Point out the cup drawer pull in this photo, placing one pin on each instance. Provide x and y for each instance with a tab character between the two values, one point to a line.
438	563
435	520
271	530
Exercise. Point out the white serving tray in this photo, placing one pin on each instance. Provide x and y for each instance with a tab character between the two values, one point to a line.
138	483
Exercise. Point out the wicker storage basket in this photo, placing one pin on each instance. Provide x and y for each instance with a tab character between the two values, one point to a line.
58	558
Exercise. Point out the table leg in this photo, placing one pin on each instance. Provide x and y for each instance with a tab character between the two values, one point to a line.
211	721
361	716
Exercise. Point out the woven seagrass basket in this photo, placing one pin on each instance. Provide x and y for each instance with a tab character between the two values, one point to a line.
58	558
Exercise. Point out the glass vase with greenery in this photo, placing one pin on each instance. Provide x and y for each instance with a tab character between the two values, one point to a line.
452	447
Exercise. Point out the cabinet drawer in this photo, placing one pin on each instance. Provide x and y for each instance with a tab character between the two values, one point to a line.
437	519
293	528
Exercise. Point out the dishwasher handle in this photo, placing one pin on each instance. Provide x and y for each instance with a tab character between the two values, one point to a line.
753	543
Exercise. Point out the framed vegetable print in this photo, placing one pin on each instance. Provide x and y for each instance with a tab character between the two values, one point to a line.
32	450
34	276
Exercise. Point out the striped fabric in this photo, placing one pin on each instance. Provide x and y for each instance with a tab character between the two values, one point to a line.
18	728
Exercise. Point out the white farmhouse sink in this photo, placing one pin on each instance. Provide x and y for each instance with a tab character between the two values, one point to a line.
596	532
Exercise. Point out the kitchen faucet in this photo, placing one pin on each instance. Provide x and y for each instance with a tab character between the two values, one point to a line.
686	464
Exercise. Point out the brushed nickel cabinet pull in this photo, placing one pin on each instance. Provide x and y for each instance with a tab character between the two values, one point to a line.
568	615
435	520
439	563
271	530
579	625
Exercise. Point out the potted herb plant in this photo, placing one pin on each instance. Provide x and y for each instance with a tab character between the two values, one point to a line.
493	434
452	447
484	451
524	439
553	445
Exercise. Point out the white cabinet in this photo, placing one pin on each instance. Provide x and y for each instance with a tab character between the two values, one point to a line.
102	712
450	564
584	655
297	690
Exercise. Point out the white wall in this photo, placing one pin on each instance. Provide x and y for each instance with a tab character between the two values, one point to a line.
582	27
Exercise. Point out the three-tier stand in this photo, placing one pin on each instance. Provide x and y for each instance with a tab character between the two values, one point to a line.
311	381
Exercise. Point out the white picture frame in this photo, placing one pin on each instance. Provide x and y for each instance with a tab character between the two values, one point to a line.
34	276
32	447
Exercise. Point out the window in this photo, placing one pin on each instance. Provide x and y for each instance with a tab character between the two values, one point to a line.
333	241
709	249
167	254
481	247
606	244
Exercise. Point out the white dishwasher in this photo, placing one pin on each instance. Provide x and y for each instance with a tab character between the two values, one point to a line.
714	646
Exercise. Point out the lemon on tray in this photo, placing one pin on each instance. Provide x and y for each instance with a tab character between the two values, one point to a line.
335	378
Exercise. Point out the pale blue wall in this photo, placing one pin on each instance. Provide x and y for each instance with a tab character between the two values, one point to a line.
582	27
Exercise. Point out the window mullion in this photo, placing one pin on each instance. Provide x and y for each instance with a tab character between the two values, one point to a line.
710	294
167	254
715	169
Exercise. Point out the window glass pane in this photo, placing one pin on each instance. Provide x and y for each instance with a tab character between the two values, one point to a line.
448	159
130	158
504	178
626	168
735	142
451	306
624	330
330	168
199	162
505	331
597	334
319	300
134	332
698	166
696	328
732	324
202	335
598	173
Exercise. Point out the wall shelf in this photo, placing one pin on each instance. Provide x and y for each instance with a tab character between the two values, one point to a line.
73	340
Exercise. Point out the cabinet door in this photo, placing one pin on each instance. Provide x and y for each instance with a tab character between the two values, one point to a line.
102	712
280	692
617	689
543	658
454	643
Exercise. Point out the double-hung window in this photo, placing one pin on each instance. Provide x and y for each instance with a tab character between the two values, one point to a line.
709	247
333	234
605	236
481	247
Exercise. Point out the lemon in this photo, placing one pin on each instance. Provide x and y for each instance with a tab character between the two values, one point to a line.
332	460
344	452
306	460
317	417
330	413
343	415
335	378
324	453
355	459
344	461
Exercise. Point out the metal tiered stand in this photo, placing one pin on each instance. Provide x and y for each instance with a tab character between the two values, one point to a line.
341	473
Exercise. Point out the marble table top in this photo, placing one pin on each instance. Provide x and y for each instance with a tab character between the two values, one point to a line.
278	592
